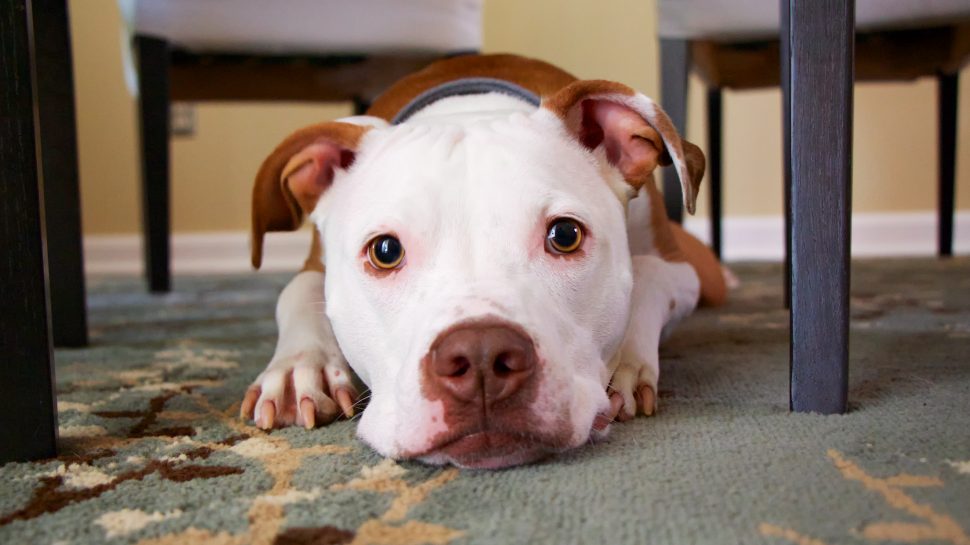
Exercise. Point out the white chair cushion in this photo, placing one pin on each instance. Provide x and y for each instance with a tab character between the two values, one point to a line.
741	19
310	26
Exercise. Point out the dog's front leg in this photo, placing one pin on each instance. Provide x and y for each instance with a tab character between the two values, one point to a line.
308	380
663	293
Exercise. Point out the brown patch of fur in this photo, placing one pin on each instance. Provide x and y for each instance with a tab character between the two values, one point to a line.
541	78
568	98
275	208
696	165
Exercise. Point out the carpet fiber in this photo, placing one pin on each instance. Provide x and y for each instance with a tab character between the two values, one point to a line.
152	451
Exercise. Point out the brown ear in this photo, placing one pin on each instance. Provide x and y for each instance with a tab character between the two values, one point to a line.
293	177
635	133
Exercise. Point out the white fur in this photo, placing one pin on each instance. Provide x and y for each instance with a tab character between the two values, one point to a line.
468	186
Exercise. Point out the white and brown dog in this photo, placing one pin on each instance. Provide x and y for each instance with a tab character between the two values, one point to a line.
479	264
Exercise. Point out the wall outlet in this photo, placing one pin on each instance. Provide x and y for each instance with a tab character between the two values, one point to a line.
183	119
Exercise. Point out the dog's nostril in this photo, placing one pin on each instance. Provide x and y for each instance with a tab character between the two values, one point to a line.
460	366
501	366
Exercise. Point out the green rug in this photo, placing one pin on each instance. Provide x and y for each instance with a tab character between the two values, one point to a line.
152	452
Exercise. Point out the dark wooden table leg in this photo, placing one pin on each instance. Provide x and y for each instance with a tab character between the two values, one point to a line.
714	158
821	41
28	421
62	202
674	63
947	108
153	88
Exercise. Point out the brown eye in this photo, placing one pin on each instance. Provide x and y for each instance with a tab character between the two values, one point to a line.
564	236
385	252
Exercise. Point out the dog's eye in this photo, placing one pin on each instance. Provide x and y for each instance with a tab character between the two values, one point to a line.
564	236
385	252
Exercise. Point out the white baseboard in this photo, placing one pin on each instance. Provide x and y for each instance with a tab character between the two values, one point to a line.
197	253
903	234
744	238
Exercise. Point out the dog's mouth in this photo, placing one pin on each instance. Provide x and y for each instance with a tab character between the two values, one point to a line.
489	449
500	444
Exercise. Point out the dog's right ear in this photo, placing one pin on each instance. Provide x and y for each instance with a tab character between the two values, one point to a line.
292	179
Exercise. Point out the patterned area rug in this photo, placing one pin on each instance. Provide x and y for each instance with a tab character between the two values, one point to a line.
152	451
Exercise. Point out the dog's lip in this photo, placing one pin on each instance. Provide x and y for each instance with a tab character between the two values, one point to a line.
489	449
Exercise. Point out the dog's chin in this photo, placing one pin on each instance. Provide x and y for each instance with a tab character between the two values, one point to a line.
488	450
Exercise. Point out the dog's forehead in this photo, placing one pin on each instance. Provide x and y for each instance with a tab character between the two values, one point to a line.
515	162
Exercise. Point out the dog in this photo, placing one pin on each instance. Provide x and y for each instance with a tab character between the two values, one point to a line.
492	260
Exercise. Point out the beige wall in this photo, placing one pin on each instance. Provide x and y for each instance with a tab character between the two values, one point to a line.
895	135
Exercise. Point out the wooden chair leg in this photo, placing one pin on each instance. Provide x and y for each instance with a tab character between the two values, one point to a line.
62	202
714	159
674	62
947	119
153	88
361	105
821	41
785	73
28	421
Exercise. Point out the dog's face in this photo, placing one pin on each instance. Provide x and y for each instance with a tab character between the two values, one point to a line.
478	278
488	342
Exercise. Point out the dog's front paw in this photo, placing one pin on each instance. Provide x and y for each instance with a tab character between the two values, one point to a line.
305	389
636	385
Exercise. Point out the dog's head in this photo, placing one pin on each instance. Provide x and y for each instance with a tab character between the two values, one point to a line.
478	273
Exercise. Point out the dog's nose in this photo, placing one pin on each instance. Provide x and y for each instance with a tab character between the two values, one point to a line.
488	362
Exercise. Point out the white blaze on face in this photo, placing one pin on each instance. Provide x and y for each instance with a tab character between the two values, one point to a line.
471	205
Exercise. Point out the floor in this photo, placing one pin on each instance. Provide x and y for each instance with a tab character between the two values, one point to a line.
152	452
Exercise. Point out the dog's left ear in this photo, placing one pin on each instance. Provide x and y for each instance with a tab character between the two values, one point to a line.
636	134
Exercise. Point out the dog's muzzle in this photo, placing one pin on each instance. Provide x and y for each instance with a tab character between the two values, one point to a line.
485	374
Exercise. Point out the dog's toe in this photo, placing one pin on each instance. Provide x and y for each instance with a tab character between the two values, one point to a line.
248	406
266	415
646	400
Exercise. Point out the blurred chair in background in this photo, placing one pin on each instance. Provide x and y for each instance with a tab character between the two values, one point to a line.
734	45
